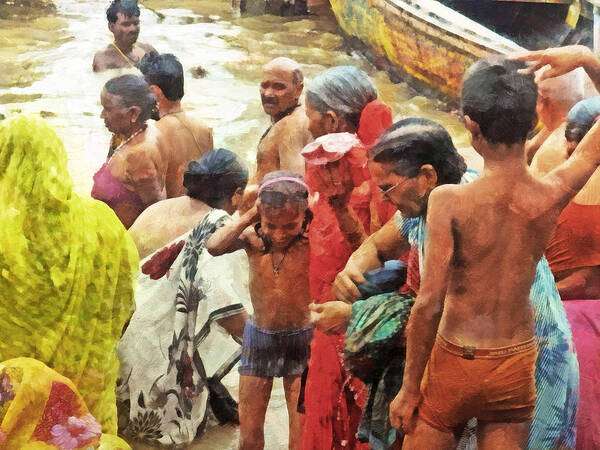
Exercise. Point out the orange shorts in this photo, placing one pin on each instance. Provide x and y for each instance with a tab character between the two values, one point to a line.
494	385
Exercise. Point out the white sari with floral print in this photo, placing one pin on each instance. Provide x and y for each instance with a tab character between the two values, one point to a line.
173	343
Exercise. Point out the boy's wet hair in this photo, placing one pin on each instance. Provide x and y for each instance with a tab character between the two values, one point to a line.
280	194
411	143
500	99
164	71
128	8
581	118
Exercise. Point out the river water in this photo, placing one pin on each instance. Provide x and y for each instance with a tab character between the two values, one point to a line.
46	69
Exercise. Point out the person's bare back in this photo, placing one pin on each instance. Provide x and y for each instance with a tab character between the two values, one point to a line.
186	139
500	228
164	221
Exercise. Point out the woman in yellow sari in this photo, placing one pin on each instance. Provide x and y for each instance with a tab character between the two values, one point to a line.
66	266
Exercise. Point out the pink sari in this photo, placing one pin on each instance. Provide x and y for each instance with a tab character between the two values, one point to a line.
584	318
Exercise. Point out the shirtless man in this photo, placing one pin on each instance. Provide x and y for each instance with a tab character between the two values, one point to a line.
277	338
279	147
485	240
556	96
124	23
186	137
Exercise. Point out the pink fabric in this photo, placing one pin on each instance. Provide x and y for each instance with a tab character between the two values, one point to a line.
112	192
584	318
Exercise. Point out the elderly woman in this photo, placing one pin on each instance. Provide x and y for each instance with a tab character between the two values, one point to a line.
133	177
67	265
409	170
187	304
574	257
345	117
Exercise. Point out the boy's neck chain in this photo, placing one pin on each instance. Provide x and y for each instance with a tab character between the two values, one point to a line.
278	265
285	252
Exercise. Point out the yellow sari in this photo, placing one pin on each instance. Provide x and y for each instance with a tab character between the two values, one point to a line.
41	409
66	268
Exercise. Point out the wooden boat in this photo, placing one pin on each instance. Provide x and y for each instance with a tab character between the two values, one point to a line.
424	38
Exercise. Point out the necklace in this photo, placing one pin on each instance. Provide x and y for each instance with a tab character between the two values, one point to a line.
278	265
125	57
169	113
126	141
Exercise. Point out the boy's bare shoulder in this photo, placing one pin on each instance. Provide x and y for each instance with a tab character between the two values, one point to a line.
449	200
447	192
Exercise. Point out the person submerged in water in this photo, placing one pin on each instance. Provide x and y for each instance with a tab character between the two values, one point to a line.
124	23
277	337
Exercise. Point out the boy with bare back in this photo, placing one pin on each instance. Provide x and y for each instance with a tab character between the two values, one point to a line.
277	338
471	350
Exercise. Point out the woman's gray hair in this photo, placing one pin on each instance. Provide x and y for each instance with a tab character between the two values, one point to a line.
344	90
133	90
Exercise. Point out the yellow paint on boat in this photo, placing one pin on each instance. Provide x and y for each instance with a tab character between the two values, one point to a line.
425	39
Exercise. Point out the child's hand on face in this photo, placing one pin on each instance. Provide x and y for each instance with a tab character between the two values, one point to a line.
253	239
253	214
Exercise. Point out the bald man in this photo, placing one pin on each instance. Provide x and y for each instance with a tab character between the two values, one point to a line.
280	91
556	96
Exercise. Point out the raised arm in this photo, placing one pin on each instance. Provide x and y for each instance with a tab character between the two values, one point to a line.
228	238
385	244
426	313
562	60
569	177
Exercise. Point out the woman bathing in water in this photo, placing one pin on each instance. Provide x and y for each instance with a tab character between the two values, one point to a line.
133	176
277	337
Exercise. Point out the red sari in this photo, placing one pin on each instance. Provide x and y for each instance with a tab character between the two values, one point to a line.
333	398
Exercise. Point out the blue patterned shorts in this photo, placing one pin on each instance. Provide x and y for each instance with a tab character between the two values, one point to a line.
274	353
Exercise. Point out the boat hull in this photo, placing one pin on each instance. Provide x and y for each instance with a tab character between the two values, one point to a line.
424	39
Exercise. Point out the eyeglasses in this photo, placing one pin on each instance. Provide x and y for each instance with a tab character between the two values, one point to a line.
386	192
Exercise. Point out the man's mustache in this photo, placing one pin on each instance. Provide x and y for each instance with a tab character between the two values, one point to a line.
269	100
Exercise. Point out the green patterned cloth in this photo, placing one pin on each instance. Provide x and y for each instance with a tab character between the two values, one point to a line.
375	353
